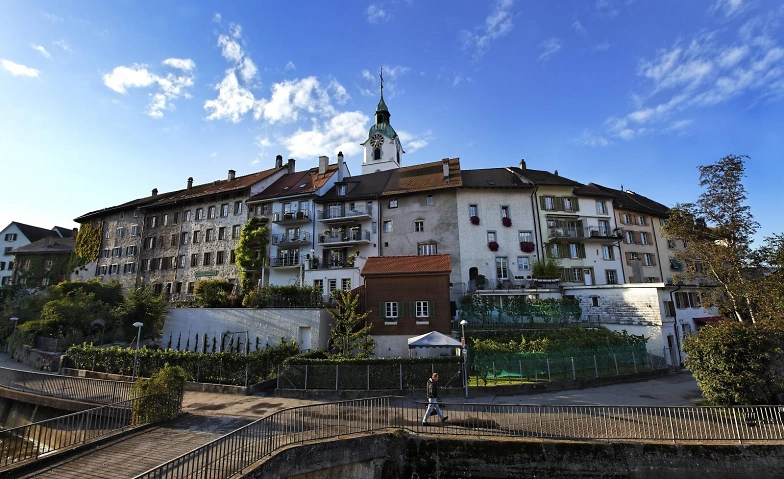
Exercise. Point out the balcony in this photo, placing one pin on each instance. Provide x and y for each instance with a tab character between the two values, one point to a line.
291	217
285	262
585	233
287	240
336	214
350	237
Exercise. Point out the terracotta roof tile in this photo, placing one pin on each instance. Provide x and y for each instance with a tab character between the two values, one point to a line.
388	265
215	188
297	183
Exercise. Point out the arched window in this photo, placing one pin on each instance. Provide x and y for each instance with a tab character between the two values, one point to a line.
377	154
473	273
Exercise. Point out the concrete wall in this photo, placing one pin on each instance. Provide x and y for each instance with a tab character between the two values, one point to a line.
269	325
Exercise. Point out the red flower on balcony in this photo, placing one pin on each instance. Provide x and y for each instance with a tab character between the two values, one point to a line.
493	246
474	220
527	247
506	221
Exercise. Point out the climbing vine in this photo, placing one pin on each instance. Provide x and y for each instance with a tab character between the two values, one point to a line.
87	246
251	250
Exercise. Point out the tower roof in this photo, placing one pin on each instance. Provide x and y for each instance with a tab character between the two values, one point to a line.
382	106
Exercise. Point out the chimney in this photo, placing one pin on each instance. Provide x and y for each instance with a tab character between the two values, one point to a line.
279	161
74	232
340	166
190	182
323	164
556	173
231	174
48	240
522	164
445	166
154	191
291	166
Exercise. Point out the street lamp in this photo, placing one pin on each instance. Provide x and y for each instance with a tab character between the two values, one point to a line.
138	325
465	357
15	320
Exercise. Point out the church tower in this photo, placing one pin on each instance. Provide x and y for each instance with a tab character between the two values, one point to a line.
382	147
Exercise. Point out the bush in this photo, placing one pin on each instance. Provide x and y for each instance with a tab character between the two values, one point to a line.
159	397
284	297
215	293
735	362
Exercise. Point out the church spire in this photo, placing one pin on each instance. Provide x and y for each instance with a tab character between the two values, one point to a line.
382	112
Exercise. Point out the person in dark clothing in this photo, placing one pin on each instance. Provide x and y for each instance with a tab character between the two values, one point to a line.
432	399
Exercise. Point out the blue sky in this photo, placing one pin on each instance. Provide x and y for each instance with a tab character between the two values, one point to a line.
102	101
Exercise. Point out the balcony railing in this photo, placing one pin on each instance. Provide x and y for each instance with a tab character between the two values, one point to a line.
585	232
285	261
290	239
301	216
347	237
342	212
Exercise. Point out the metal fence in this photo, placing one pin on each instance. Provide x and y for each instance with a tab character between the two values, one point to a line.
231	454
98	391
30	442
368	377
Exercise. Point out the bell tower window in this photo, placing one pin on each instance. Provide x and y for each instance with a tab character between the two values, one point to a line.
377	153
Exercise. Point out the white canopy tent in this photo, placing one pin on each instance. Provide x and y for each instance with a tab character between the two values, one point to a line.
433	340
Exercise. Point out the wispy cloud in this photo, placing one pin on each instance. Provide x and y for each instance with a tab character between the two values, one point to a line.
19	70
707	69
62	44
601	47
290	67
377	14
392	76
170	86
589	138
610	8
496	25
53	18
729	8
412	142
217	18
578	27
550	47
41	49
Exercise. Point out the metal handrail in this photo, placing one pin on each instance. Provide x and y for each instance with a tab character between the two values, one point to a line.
97	391
238	450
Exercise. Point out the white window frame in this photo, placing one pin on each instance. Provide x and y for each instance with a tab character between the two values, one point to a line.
647	259
601	207
611	276
390	310
427	249
502	268
419	226
644	237
523	263
422	309
607	252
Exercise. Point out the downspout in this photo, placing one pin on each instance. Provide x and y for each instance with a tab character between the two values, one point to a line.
675	319
537	224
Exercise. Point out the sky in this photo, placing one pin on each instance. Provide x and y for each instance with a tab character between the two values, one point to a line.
100	102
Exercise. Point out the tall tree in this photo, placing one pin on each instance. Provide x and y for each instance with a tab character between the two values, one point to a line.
718	231
251	251
144	306
351	333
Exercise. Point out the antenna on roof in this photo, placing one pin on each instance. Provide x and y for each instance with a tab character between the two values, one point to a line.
381	75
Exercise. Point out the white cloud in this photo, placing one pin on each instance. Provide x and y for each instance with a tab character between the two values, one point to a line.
41	49
230	49
290	97
185	64
601	47
170	86
233	100
216	18
53	18
343	132
589	138
412	142
62	44
730	8
290	66
578	27
496	25
392	75
678	126
550	47
18	70
731	56
377	14
248	70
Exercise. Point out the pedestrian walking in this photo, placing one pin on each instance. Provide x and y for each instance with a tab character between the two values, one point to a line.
432	399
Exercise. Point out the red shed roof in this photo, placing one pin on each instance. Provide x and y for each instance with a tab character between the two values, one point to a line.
392	265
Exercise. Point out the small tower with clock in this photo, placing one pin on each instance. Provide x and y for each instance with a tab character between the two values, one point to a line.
382	147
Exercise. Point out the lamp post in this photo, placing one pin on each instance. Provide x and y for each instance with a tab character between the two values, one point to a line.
15	320
465	357
138	325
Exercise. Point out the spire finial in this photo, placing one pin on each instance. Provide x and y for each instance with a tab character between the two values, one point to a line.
381	75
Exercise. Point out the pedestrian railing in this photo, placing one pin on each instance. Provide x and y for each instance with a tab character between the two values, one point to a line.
28	443
234	453
98	391
366	377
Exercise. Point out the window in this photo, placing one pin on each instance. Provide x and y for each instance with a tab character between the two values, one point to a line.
669	309
549	203
232	257
525	236
129	268
523	263
224	211
626	219
422	309
10	237
473	211
135	230
341	190
238	207
105	269
108	234
190	287
332	285
181	261
176	218
117	252
173	240
178	287
604	228
377	153
634	255
318	285
207	259
695	300
611	276
209	235
184	238
607	252
393	202
629	237
642	221
211	212
568	204
647	259
429	200
153	221
235	231
504	212
501	268
114	269
644	237
601	208
491	237
50	263
186	216
391	310
345	284
671	244
577	275
194	260
574	251
160	241
149	243
219	256
196	237
165	220
424	249
388	226
199	214
2	265
130	250
595	301
419	226
119	232
222	233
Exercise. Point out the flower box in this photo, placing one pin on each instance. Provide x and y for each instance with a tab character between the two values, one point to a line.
506	221
493	246
474	220
527	247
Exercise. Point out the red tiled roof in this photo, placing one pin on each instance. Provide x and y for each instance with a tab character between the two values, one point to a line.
298	183
216	187
424	177
388	265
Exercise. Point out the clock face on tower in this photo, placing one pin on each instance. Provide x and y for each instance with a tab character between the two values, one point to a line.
377	140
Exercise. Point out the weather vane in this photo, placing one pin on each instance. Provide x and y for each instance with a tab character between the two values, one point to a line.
382	80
